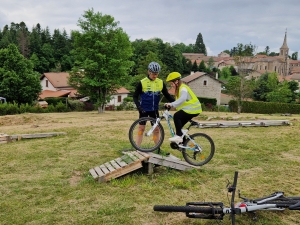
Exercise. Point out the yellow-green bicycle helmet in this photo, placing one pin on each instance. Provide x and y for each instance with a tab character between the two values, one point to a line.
173	76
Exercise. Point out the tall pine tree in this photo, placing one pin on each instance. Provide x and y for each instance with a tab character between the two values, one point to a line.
199	45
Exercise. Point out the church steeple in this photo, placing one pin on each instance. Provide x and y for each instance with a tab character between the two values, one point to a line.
284	50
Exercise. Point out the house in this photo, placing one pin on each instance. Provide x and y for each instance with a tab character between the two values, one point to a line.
118	97
56	85
203	85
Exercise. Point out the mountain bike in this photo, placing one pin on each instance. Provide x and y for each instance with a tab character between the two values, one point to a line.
197	149
216	210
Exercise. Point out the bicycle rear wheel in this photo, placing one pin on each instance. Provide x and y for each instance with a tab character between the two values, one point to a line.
140	141
195	156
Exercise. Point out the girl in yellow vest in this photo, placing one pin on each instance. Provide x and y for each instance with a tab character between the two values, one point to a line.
186	104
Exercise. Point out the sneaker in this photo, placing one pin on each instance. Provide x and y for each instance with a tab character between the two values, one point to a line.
176	139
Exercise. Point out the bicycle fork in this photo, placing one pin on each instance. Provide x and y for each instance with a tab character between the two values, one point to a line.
149	133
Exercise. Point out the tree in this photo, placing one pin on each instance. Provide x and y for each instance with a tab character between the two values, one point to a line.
295	56
202	67
211	62
273	54
18	82
267	50
195	67
240	86
101	52
225	73
199	45
282	93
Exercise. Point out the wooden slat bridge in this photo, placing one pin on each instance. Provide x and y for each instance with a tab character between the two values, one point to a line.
133	160
5	138
255	123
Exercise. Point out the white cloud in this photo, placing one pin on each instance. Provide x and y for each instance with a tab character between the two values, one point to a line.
223	24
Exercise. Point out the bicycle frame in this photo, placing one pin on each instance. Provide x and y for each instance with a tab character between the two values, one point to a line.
216	210
167	115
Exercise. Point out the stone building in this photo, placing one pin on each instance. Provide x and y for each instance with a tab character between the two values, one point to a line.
259	64
204	85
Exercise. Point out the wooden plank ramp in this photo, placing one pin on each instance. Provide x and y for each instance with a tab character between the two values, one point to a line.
170	161
132	160
127	163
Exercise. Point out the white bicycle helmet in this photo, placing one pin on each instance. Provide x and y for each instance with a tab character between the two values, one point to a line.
154	67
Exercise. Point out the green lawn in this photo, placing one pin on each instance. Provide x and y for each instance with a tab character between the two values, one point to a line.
47	180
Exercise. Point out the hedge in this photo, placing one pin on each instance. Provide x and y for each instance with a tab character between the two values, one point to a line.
265	107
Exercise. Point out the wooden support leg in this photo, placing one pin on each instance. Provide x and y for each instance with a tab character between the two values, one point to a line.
150	168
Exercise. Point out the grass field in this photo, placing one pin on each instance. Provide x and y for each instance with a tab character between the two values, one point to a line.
47	180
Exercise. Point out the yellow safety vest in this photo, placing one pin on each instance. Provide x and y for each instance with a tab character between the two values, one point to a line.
192	106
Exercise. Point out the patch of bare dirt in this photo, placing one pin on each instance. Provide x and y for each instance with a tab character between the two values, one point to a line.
76	177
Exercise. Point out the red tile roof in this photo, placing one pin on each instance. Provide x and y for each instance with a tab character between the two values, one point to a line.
122	90
48	93
58	80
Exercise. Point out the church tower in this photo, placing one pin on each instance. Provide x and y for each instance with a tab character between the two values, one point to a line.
284	55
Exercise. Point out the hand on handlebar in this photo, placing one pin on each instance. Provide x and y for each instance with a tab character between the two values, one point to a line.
168	105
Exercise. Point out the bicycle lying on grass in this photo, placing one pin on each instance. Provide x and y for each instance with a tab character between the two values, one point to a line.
197	149
216	210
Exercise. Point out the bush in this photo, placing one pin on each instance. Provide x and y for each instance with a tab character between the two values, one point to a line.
265	107
61	107
55	100
75	105
210	101
24	108
12	109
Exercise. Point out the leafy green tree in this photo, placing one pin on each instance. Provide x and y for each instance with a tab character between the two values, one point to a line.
273	54
195	67
202	67
267	50
101	51
243	55
211	62
152	57
172	58
184	48
187	65
199	45
240	89
18	82
225	73
282	93
23	39
295	56
227	51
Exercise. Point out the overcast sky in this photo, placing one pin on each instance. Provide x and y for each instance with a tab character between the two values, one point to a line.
222	23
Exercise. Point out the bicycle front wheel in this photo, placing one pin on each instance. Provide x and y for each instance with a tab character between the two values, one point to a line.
199	151
186	209
142	138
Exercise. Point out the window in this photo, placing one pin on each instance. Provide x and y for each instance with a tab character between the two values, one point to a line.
46	83
275	68
204	83
119	98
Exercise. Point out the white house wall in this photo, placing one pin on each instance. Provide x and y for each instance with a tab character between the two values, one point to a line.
114	100
50	86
